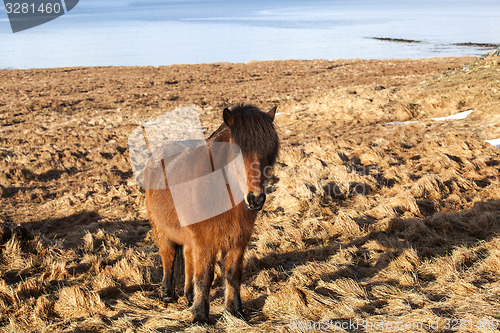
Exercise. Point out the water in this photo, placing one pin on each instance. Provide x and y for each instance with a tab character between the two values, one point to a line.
163	32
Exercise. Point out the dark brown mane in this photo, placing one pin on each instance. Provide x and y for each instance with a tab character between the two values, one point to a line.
253	131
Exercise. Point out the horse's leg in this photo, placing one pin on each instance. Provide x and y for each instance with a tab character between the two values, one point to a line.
220	263
167	254
233	273
188	274
203	277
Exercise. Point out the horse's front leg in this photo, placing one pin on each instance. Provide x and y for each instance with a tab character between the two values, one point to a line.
233	274
203	278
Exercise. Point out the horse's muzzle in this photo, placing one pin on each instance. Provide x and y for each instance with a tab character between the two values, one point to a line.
255	202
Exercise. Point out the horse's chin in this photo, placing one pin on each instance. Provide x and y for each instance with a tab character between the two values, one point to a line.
253	209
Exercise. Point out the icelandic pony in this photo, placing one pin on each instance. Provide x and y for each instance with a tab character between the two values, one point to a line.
228	233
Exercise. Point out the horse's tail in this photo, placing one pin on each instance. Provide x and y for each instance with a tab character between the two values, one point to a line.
179	270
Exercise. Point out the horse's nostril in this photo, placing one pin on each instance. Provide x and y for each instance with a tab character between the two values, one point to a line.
251	199
260	199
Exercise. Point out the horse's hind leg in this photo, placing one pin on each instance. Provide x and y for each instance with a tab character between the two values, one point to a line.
204	260
233	273
167	254
220	264
188	274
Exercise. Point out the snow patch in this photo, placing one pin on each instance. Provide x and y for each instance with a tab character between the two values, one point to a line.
401	122
494	142
460	115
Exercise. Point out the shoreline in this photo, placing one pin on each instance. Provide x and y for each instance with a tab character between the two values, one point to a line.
395	40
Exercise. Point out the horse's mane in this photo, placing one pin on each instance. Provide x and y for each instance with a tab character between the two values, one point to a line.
253	131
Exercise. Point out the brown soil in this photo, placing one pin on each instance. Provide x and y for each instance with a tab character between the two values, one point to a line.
386	223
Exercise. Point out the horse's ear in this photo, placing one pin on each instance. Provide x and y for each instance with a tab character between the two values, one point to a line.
227	115
272	112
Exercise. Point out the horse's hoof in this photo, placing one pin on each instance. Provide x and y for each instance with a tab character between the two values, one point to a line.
236	313
200	320
168	299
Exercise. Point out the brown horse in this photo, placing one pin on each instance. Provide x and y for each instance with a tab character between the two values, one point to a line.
228	233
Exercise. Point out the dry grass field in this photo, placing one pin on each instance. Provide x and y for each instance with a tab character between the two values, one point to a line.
370	226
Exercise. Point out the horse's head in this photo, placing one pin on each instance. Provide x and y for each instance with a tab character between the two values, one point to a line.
254	133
